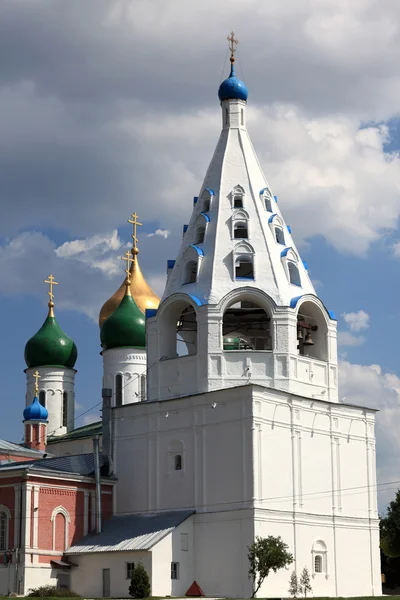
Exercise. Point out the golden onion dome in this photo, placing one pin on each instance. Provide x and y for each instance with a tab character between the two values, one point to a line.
141	292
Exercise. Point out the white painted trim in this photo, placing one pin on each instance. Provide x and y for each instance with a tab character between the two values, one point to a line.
36	490
63	511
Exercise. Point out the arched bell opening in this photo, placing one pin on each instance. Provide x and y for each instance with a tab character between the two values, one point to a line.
312	331
246	326
179	330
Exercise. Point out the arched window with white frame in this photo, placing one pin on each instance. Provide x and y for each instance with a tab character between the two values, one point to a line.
290	261
192	258
200	228
5	516
240	225
237	197
243	261
206	199
266	198
61	520
319	558
277	228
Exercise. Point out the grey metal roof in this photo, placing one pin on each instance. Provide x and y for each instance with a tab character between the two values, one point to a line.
79	464
6	446
130	532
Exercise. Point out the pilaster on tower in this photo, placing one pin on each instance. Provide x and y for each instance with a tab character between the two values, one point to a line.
239	306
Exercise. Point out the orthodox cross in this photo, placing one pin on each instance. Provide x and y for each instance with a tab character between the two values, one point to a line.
51	281
129	259
36	377
134	221
233	42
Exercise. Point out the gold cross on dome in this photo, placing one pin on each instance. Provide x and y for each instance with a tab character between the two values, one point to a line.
233	42
51	281
36	377
129	259
134	221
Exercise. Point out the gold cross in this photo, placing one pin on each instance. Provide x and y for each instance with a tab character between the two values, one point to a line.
134	221
232	45
129	259
36	377
51	281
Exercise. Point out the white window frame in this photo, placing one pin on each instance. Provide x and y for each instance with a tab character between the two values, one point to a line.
243	250
319	549
238	191
60	510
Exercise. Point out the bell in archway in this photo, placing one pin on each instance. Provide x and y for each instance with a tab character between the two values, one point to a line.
308	341
300	335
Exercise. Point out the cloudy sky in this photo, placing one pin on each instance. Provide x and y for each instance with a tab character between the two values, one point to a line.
110	107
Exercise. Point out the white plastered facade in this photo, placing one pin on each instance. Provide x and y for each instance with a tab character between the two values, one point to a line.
130	363
54	382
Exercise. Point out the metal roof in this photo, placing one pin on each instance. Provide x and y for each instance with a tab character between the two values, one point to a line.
79	464
17	448
86	431
130	532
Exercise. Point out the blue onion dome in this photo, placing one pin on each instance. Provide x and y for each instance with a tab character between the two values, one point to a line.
35	411
232	88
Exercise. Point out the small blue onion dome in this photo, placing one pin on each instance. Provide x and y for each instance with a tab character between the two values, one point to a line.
35	411
232	88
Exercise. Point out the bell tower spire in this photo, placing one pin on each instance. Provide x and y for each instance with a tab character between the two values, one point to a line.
245	307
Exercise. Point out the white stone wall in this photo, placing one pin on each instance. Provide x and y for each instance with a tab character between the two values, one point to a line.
304	468
131	364
54	381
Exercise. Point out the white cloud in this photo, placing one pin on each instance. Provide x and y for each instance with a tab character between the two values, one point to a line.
345	338
357	321
164	233
98	251
371	386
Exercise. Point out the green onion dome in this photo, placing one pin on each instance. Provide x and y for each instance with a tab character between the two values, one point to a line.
125	327
50	346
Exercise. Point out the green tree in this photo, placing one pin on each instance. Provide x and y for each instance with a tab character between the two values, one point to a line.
266	555
305	583
390	529
293	585
140	583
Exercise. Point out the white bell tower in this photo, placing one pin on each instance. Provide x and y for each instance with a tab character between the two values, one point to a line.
239	306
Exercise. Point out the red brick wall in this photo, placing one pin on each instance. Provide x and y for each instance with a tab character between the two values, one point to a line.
7	498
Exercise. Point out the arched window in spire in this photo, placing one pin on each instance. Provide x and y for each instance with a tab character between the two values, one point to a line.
237	197
266	198
240	225
294	275
190	273
192	260
200	228
206	198
290	262
276	225
243	261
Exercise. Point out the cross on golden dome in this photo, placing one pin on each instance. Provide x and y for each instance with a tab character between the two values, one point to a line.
233	42
134	221
36	377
